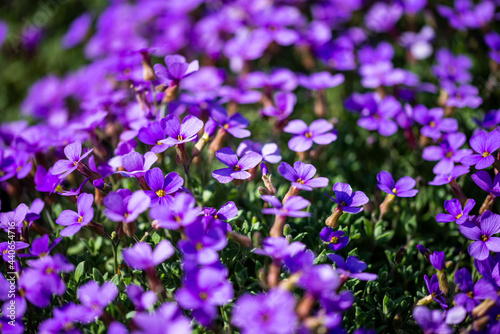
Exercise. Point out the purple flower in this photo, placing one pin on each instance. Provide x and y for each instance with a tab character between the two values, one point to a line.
291	208
483	144
456	213
433	122
181	212
124	207
463	96
483	180
484	242
235	125
141	300
418	43
447	153
153	134
279	80
202	244
452	69
433	288
379	116
321	80
402	188
95	298
353	267
40	247
270	152
302	176
203	291
14	219
336	240
237	169
136	164
77	31
382	17
279	248
437	260
319	132
346	199
7	247
167	319
274	22
177	68
162	188
46	181
283	106
273	312
320	279
141	257
437	322
446	178
73	153
493	41
74	221
472	293
64	318
180	133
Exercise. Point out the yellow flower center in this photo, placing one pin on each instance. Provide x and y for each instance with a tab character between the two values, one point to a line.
236	168
180	138
394	190
484	237
75	163
486	154
308	134
80	219
300	181
203	295
459	215
432	124
334	240
160	193
226	126
449	154
178	219
50	271
199	246
158	143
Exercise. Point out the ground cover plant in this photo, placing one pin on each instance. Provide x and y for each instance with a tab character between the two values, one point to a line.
262	166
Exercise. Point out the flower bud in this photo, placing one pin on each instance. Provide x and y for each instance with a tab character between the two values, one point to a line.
425	301
443	281
287	230
400	255
263	191
263	169
210	127
397	322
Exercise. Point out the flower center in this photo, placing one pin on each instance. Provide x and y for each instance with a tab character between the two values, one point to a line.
75	163
160	193
449	154
343	204
126	214
226	126
236	168
486	154
394	190
334	240
432	124
199	246
158	143
300	181
178	219
203	295
308	134
50	270
80	219
470	294
484	237
459	215
180	138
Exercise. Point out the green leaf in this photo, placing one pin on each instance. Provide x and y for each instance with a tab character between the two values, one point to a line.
96	274
79	271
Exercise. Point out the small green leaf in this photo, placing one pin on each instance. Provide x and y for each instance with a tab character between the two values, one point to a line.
79	271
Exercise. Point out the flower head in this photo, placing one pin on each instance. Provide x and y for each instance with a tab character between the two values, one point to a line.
455	211
141	257
137	164
291	208
482	235
302	176
336	240
181	212
237	169
319	132
484	145
180	133
402	188
176	69
352	267
73	153
74	221
347	200
162	188
124	206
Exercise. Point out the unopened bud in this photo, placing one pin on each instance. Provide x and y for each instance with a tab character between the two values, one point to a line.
443	281
263	191
171	93
210	127
397	322
287	230
96	228
263	169
147	68
267	179
399	255
425	301
200	145
424	251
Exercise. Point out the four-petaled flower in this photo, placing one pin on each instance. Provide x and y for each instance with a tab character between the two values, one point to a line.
162	188
74	221
485	145
484	241
402	188
346	199
456	213
180	133
141	257
237	169
302	176
336	240
319	132
291	208
73	153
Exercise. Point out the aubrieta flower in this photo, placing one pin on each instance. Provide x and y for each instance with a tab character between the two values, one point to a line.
74	221
203	291
446	178
348	200
483	180
278	248
153	134
376	114
448	152
321	80
283	106
162	188
281	79
136	164
77	31
434	291
462	96
237	169
141	257
73	153
302	176
65	317
484	145
15	246
291	208
123	206
41	247
336	240
180	133
202	244
450	68
402	188
176	69
482	235
142	300
471	294
273	312
352	267
180	213
236	125
493	41
437	322
167	319
466	14
95	298
433	122
455	212
270	152
319	132
418	43
14	219
382	17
